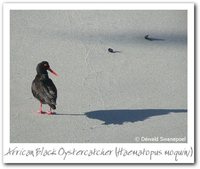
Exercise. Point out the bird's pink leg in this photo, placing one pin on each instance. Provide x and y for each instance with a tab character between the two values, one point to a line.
40	110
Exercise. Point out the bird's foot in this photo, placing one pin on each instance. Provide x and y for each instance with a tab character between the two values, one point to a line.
51	113
41	112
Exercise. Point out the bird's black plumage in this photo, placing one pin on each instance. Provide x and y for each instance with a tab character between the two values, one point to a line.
147	37
110	50
43	87
113	51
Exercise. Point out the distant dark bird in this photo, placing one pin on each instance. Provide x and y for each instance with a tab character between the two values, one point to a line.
147	38
43	87
110	50
113	51
152	39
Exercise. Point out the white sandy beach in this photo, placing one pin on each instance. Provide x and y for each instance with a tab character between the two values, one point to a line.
140	92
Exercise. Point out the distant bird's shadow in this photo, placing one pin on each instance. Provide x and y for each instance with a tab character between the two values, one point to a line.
116	51
125	115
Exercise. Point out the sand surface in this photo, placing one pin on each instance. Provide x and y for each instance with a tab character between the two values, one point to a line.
103	97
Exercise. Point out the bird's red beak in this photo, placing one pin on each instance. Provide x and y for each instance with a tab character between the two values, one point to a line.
52	71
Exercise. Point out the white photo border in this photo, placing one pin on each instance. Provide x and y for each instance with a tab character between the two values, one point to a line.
25	150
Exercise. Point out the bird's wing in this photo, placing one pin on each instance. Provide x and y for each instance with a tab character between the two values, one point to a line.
50	89
44	91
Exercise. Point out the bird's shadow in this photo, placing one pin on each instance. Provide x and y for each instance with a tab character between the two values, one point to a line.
116	51
121	116
126	115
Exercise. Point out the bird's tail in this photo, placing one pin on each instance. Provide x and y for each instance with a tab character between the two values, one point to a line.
52	106
52	103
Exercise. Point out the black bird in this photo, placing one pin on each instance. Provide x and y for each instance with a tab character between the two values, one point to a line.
148	38
113	51
43	87
153	39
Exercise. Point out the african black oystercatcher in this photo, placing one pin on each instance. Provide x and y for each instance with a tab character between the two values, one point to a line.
153	39
113	51
43	87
